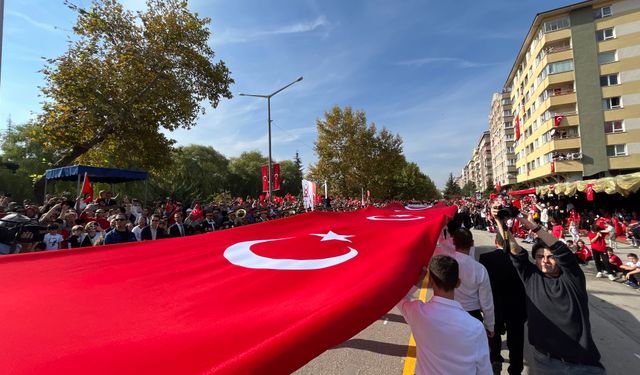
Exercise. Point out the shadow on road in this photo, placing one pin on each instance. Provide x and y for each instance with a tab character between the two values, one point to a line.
395	318
376	347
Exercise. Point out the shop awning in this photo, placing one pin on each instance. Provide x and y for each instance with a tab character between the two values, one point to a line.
623	184
96	174
523	192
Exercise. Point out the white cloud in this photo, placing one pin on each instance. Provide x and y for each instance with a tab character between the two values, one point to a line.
229	36
33	22
461	63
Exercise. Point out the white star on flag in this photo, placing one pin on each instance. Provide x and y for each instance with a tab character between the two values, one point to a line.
332	236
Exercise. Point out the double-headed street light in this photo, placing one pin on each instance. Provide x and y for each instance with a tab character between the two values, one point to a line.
268	97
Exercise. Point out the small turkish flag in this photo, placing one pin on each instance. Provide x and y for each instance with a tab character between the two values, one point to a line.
87	189
553	167
590	192
558	119
197	213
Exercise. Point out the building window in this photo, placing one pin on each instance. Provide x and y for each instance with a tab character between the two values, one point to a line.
612	103
617	150
613	127
602	12
607	57
608	80
558	24
605	34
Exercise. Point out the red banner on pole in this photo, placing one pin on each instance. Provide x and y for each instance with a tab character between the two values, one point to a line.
265	178
276	176
590	192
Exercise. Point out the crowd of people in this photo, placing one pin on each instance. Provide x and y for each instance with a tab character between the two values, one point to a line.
474	302
65	221
591	235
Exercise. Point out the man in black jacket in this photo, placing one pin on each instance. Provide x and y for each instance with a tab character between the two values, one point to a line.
557	307
509	301
153	231
179	228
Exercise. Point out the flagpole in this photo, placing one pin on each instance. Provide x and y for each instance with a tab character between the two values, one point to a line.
325	190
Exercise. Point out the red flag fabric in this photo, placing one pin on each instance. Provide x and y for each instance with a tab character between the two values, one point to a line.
87	189
557	120
276	176
517	123
197	213
238	301
590	192
553	167
265	178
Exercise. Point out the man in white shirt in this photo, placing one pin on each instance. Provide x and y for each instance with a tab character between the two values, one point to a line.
474	293
137	230
448	339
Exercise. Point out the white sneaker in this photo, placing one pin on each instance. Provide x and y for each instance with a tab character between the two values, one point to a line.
612	277
599	274
605	273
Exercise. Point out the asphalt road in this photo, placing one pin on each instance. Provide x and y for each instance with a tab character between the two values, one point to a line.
383	347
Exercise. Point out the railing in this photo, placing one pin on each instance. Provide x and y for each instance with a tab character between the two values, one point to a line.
556	49
560	91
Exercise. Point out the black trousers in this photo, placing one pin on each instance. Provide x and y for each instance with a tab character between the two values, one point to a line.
602	261
515	344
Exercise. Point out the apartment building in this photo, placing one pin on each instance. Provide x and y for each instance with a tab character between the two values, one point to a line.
575	93
484	165
502	138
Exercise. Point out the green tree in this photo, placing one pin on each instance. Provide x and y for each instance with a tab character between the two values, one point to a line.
451	188
353	155
413	184
126	76
469	189
246	175
290	178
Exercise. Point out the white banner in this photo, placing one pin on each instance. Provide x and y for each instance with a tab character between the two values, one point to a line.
308	194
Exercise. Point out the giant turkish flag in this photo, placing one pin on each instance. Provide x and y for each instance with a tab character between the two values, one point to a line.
264	298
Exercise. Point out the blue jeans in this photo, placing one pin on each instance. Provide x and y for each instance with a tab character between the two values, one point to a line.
545	365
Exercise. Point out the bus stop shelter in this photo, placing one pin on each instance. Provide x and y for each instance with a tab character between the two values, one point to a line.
95	174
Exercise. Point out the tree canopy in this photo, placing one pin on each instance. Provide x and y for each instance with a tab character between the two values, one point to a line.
451	188
353	155
124	77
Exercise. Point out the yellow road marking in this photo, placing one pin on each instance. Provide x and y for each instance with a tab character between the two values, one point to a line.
410	359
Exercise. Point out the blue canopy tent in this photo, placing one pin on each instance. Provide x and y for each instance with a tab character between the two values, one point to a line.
95	174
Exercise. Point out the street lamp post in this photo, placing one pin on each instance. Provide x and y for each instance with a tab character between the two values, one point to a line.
268	97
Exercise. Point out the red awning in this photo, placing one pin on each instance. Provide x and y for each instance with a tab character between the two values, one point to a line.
523	192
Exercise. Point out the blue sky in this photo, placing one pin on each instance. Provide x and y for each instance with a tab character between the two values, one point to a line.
423	69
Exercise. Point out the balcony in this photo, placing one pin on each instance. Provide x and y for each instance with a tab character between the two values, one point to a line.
568	166
563	99
561	77
566	144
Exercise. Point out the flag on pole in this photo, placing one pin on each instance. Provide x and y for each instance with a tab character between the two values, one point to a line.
557	120
276	176
87	189
590	192
308	194
238	301
265	178
517	123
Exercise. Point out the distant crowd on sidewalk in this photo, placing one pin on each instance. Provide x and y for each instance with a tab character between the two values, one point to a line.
65	222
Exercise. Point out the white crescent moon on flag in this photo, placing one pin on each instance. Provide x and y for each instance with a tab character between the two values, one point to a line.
394	217
241	255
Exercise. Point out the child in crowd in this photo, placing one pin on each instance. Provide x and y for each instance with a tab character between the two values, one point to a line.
76	237
556	229
611	235
614	260
53	239
583	254
631	270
